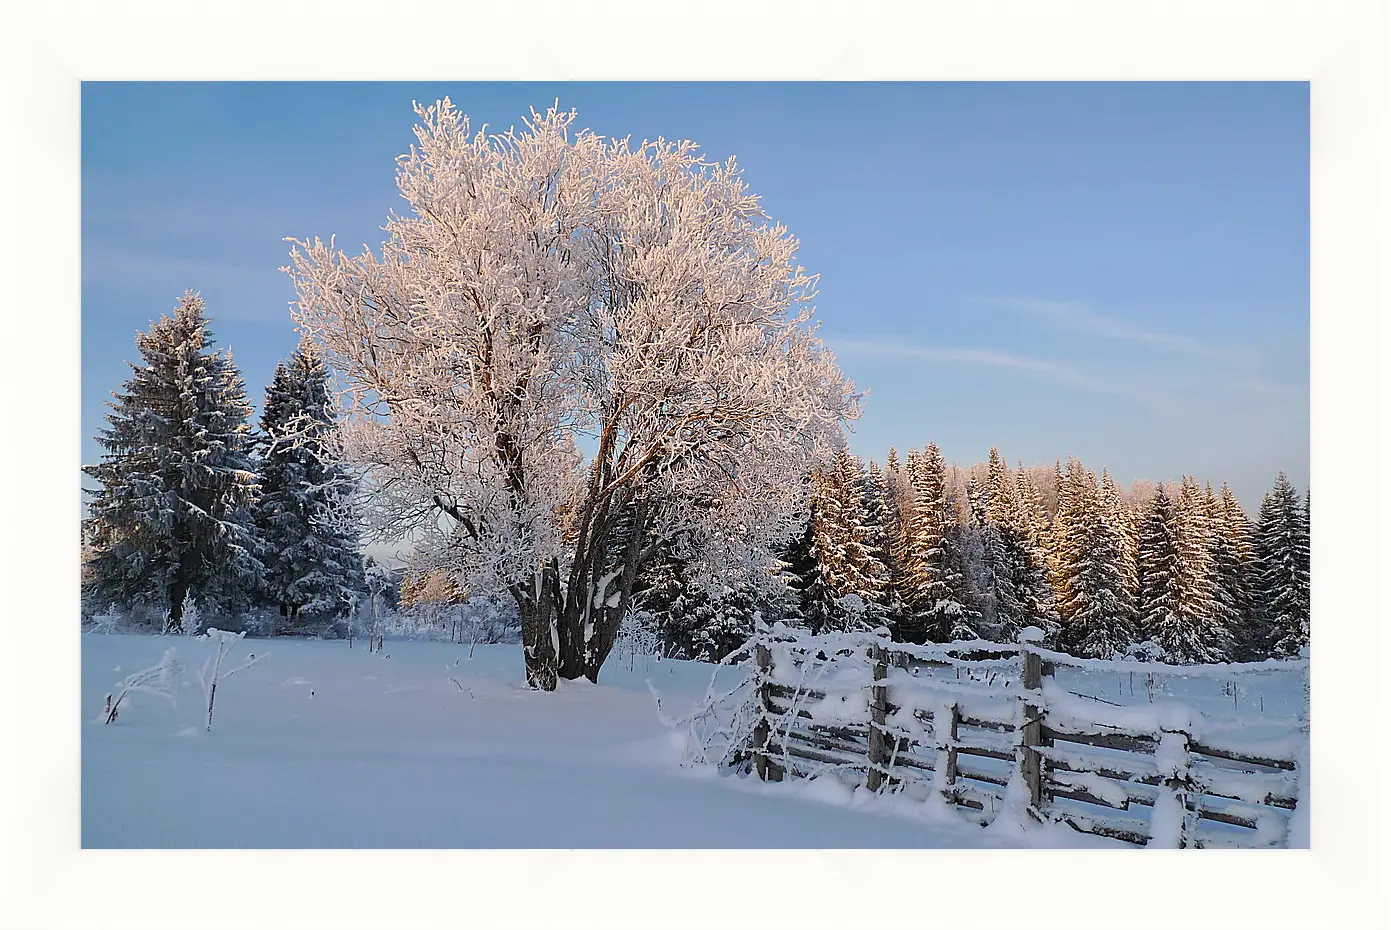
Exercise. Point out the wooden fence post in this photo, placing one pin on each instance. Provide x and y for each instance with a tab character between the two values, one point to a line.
878	715
1181	784
1031	734
767	769
949	772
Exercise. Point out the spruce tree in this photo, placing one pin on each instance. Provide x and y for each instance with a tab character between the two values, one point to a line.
170	519
1238	575
1097	617
1229	599
1157	561
838	555
722	621
1055	539
881	529
868	574
1008	534
1117	512
826	568
313	557
1032	582
1282	552
1206	636
663	590
935	579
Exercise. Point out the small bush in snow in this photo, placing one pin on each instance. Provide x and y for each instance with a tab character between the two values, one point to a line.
109	621
638	639
192	617
1148	651
212	671
160	679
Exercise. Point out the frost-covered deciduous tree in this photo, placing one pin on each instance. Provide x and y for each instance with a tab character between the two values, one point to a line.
171	517
313	559
548	286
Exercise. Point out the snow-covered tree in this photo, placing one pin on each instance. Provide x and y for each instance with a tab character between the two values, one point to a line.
313	561
837	556
864	507
1097	616
663	593
934	584
1161	620
1236	569
1055	535
170	519
1229	580
1031	583
1010	597
818	558
549	285
1117	512
724	620
881	534
1209	635
1282	552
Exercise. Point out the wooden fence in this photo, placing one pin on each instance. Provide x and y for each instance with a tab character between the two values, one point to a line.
1142	775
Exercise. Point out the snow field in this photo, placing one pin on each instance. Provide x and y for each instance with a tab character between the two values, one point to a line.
319	745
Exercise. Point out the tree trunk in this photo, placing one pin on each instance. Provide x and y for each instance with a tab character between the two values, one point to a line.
372	630
571	636
608	619
537	608
177	592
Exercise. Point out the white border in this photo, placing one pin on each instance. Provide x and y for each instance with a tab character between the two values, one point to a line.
49	881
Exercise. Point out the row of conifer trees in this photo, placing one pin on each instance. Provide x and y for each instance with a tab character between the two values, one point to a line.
195	505
1179	574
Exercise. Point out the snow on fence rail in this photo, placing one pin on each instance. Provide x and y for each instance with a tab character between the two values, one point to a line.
1009	734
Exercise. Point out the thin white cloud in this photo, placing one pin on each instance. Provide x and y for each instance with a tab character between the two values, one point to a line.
1052	369
1081	318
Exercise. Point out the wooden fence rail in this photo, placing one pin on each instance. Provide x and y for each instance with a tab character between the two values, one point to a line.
967	741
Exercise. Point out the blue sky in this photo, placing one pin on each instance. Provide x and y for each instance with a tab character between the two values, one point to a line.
1114	271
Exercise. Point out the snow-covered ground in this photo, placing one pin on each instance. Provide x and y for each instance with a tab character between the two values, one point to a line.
320	745
323	746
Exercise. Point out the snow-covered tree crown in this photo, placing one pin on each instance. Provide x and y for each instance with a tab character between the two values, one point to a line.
551	289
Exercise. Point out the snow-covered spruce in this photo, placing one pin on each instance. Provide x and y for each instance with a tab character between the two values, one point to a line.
1095	606
313	566
171	518
1282	551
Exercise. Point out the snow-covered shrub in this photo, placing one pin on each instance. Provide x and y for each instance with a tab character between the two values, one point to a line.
161	679
638	639
853	607
108	621
1147	651
192	617
259	623
489	620
478	620
719	727
212	671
